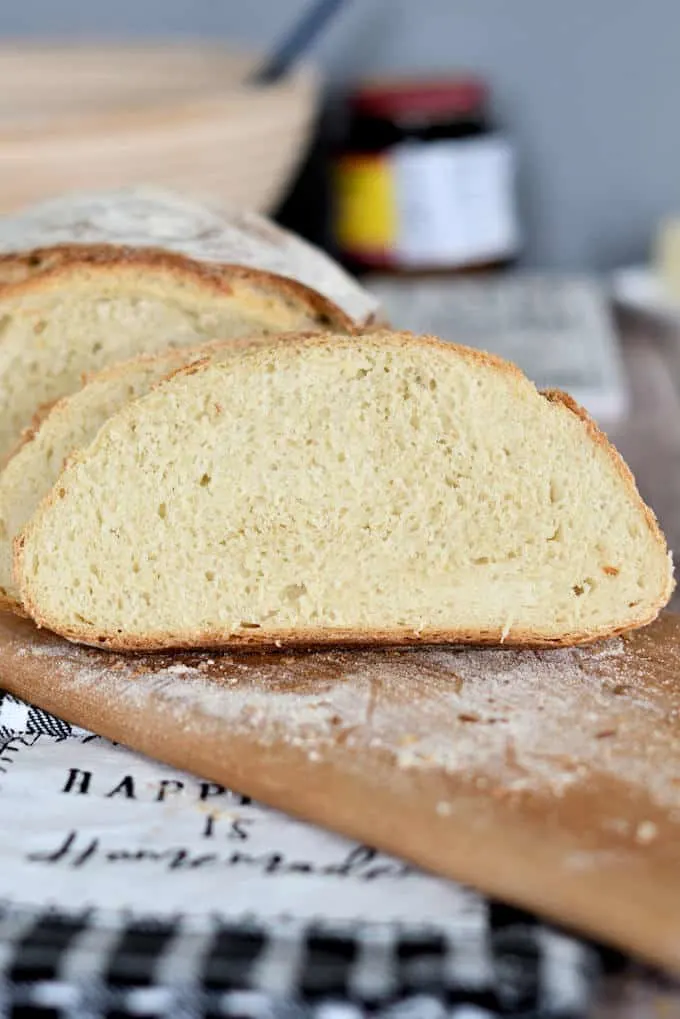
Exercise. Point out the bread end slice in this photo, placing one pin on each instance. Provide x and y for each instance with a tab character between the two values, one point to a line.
59	429
81	308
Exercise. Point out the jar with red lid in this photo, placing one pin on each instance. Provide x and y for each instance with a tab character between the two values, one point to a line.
424	182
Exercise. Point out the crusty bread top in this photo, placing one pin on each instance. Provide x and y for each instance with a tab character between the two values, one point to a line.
21	273
151	217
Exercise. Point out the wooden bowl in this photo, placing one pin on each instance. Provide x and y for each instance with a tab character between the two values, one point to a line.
179	116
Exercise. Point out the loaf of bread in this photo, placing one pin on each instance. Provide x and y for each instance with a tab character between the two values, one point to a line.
330	489
199	228
61	428
87	308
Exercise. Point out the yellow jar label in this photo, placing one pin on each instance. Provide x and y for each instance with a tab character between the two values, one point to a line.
366	207
444	203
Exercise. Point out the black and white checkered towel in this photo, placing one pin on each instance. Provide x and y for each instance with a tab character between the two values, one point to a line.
17	718
87	966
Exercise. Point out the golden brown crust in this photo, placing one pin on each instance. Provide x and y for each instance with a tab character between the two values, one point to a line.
404	337
397	339
23	273
263	638
8	604
310	639
557	397
29	431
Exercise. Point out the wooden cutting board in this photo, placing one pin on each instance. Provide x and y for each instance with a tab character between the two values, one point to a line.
547	779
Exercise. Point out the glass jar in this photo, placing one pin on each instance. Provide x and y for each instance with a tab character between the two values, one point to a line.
424	182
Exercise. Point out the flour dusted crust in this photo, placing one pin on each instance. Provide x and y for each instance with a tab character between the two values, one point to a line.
154	218
326	636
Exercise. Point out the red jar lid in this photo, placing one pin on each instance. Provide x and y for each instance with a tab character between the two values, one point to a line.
434	97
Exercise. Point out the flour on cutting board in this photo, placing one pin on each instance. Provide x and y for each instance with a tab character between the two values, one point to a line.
96	825
517	720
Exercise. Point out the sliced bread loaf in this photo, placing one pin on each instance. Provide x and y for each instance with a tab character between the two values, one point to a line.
327	490
107	304
61	428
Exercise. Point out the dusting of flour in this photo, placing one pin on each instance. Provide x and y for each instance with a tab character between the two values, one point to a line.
516	720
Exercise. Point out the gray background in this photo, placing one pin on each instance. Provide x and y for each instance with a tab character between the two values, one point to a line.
589	88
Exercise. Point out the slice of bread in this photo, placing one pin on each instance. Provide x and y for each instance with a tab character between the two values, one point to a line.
108	304
61	428
380	488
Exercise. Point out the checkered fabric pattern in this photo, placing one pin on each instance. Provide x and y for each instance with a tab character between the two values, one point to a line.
83	966
19	718
87	965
